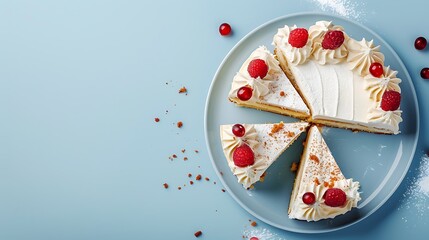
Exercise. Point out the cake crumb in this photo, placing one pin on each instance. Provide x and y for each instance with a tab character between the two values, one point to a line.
183	90
191	182
183	150
196	151
165	185
276	128
180	188
198	233
223	190
185	158
174	156
253	224
207	179
179	124
198	177
282	93
314	158
290	134
189	175
156	119
294	167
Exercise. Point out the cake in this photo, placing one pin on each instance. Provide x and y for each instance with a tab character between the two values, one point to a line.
260	83
320	191
250	149
343	81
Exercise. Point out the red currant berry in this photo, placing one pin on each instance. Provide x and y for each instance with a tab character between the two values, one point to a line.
254	238
309	198
224	29
238	130
244	93
424	73
420	43
376	69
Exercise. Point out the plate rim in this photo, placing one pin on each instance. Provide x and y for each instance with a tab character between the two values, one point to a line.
385	45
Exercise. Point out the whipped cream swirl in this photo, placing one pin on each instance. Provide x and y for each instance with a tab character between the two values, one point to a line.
362	54
261	87
319	210
231	141
379	117
377	86
295	55
321	55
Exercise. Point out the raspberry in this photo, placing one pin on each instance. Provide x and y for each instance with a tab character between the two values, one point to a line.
243	156
333	39
390	100
257	68
335	197
298	37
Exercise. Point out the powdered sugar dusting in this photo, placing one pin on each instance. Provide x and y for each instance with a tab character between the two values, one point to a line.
261	234
416	197
343	8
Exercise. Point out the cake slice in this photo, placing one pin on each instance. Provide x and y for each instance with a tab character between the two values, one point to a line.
251	148
320	190
260	83
344	82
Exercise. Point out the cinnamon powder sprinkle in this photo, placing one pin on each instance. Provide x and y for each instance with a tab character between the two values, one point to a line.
198	177
277	127
253	224
282	93
183	90
179	124
165	185
316	181
314	158
156	119
290	134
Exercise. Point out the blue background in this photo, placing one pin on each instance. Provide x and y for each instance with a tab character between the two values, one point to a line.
81	82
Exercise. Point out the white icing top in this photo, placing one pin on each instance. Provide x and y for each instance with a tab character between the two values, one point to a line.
337	84
268	89
267	147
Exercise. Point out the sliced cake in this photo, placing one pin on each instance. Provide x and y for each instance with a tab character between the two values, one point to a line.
344	82
261	84
251	148
320	190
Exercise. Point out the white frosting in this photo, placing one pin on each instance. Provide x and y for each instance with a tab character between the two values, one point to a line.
319	210
338	88
296	55
377	86
321	55
266	146
267	90
318	171
362	54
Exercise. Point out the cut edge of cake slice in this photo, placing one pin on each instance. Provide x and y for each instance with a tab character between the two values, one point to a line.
266	143
273	92
317	173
